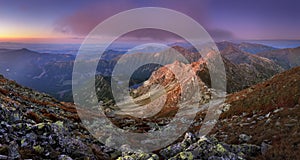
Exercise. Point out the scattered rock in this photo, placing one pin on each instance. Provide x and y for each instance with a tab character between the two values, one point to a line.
264	147
3	157
13	150
277	110
268	121
138	156
268	115
64	157
244	138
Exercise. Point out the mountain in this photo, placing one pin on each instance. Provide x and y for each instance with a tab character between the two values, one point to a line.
249	70
49	73
34	69
252	48
242	69
262	118
286	58
163	81
260	121
264	66
55	70
255	48
28	56
189	53
238	76
37	126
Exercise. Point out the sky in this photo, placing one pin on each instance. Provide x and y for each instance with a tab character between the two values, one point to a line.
56	21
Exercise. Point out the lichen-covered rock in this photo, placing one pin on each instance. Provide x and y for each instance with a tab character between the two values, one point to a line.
183	156
36	126
244	138
138	156
192	147
209	148
64	157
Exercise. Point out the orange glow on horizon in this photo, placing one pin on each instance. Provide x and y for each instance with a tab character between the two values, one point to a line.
14	32
40	39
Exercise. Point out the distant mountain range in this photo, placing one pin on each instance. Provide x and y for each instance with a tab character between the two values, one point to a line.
246	47
286	58
52	73
259	118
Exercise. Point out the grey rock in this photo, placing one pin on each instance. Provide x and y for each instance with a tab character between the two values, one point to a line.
13	150
3	157
244	138
264	147
64	157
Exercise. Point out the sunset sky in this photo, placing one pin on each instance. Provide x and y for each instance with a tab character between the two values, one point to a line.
70	21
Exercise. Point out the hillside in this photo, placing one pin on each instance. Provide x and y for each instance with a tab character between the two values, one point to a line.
286	58
265	116
266	113
36	126
55	70
246	47
266	66
242	69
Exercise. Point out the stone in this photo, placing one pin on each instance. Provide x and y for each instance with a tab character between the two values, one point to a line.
13	151
264	147
3	157
244	138
4	149
38	149
260	118
137	156
277	110
268	121
268	115
64	157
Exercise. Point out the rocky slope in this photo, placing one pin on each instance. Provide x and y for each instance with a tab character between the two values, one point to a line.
36	126
266	114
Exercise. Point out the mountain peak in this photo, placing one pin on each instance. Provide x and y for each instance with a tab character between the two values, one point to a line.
25	49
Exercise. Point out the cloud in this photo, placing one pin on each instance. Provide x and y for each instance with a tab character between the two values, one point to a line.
82	21
220	34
